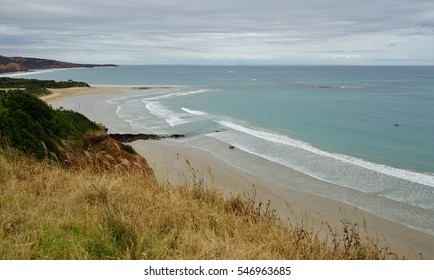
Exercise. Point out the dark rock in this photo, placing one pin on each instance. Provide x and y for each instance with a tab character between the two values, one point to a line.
127	137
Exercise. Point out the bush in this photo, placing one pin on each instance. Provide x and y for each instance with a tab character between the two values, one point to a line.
6	82
128	149
30	125
37	87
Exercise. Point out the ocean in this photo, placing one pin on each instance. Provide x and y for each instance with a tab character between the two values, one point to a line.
364	135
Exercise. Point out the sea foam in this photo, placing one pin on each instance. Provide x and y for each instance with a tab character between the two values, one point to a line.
161	111
191	92
424	179
194	112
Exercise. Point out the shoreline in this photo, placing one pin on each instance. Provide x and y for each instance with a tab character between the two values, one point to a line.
168	159
63	93
296	207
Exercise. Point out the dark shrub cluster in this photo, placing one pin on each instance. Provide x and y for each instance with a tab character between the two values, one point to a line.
30	125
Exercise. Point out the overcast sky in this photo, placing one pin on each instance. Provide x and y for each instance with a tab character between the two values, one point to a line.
220	31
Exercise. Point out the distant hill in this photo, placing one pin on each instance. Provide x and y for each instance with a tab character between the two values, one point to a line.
17	64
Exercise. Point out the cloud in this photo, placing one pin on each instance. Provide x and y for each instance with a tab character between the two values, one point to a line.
224	31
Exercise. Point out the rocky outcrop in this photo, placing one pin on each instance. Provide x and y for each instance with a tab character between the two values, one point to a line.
127	138
17	64
103	153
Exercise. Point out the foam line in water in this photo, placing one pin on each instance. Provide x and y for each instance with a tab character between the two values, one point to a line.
172	118
118	110
194	112
133	97
120	100
164	96
177	92
17	74
415	177
193	92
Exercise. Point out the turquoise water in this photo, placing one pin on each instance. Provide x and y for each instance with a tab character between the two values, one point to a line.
333	123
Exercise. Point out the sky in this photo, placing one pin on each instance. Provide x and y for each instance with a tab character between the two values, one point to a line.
353	32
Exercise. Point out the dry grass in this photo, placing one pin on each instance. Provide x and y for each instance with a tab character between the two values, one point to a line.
47	212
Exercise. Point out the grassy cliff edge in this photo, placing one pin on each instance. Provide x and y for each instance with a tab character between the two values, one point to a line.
49	212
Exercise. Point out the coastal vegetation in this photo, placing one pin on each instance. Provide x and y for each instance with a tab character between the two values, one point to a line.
30	125
69	191
65	137
37	87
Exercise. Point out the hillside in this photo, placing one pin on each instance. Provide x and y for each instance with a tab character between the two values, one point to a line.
29	125
49	212
17	64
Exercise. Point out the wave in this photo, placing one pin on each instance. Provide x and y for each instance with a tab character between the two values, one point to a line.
172	118
167	94
154	103
35	72
120	100
424	179
193	92
118	111
194	112
174	93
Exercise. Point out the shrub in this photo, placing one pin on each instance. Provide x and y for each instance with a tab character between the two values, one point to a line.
30	125
128	149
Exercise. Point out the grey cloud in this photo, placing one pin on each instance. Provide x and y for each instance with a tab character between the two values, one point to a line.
188	30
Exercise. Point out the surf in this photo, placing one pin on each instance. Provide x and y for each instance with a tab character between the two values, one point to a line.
415	177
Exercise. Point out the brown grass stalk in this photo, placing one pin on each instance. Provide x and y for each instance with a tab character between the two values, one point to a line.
49	212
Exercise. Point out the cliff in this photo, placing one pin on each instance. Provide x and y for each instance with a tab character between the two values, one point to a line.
18	64
68	138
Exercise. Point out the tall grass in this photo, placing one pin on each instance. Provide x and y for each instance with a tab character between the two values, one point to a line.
48	212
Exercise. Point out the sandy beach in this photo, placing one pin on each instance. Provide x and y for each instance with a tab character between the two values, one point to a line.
169	160
63	93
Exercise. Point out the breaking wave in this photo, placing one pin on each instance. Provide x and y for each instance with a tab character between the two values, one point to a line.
420	178
194	112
